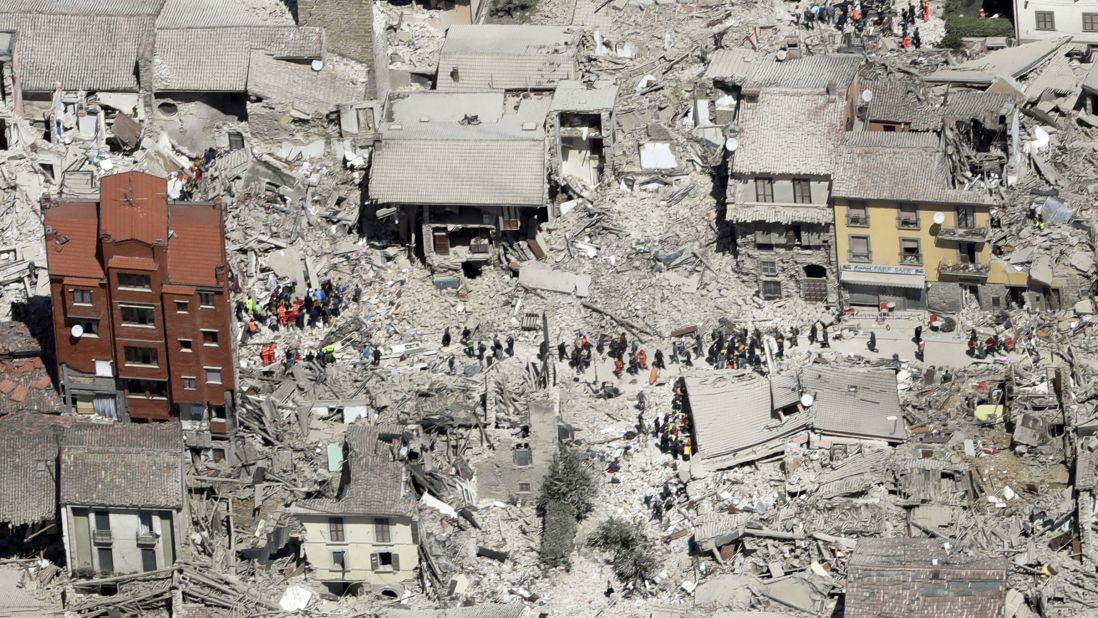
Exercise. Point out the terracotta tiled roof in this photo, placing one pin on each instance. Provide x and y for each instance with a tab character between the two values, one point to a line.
919	578
26	386
134	206
16	339
71	247
196	247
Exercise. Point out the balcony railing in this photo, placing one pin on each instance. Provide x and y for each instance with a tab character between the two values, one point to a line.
146	539
102	537
963	234
964	269
857	221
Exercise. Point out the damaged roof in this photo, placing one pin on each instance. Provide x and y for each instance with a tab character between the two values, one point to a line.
122	465
815	73
374	484
920	578
788	133
216	59
308	90
25	385
852	401
1009	62
513	610
733	411
731	65
577	96
987	107
877	166
897	101
71	240
507	57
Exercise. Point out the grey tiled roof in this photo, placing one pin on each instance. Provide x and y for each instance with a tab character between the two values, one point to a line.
919	578
375	484
507	57
732	65
872	172
474	172
855	401
78	51
775	213
308	90
732	411
122	464
896	101
28	456
786	133
213	14
153	436
216	59
810	73
892	139
475	611
122	477
85	7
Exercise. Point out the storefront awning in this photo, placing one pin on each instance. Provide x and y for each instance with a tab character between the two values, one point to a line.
891	280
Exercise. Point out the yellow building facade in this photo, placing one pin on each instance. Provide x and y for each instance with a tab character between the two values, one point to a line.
900	226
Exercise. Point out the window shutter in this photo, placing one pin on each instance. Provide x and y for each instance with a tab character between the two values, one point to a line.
415	532
396	561
374	564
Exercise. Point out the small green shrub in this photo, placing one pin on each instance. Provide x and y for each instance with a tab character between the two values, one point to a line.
558	534
633	554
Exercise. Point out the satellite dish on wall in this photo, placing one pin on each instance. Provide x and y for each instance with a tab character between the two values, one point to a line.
77	331
317	64
867	95
939	217
807	400
731	144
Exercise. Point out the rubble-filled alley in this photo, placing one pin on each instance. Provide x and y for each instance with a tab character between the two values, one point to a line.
532	308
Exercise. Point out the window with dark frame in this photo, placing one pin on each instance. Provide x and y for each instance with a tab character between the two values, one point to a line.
771	289
802	191
209	337
768	267
339	560
106	560
764	189
1090	22
857	214
81	297
1045	20
910	252
140	356
134	281
859	249
524	487
909	216
522	457
150	389
91	327
335	530
182	306
190	383
148	559
382	534
137	315
213	375
966	217
206	299
186	345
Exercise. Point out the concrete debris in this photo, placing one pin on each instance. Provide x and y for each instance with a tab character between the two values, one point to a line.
808	390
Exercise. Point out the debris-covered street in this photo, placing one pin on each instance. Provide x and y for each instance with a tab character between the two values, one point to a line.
535	308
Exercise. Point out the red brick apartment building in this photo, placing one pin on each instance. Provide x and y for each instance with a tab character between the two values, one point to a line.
141	309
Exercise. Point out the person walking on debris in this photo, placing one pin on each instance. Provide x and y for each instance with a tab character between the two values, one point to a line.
699	346
917	39
562	351
619	366
824	341
377	357
634	366
658	362
972	343
793	333
642	358
481	349
918	334
510	345
812	333
446	337
466	334
780	341
920	350
872	345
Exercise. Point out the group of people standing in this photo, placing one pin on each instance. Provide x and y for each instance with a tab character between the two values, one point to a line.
840	13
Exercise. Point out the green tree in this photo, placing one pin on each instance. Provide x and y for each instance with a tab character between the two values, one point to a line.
570	481
632	554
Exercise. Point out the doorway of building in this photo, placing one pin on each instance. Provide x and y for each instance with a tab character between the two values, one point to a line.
814	284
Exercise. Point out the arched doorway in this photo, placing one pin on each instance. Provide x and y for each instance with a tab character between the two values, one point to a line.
814	284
